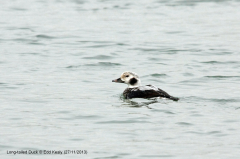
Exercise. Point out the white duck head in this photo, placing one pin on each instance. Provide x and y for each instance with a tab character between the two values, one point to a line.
129	78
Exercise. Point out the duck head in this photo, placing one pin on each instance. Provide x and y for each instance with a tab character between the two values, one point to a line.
129	78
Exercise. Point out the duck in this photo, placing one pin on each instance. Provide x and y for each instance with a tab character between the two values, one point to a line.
136	90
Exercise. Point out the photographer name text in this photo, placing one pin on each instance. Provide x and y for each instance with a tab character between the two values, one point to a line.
47	152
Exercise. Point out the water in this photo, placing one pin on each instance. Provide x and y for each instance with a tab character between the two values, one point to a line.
58	59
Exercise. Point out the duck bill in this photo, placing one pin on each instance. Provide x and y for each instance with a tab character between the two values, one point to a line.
118	80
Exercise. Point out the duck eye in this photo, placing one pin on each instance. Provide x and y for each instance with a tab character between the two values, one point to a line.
127	76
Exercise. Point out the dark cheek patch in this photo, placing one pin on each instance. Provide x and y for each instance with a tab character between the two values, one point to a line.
133	81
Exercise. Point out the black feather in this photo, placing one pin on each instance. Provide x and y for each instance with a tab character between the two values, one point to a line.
133	81
148	93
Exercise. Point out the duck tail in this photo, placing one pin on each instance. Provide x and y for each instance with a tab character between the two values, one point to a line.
174	98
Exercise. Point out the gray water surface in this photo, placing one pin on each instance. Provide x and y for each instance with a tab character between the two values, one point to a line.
58	59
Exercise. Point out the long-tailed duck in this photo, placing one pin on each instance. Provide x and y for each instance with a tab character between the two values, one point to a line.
135	90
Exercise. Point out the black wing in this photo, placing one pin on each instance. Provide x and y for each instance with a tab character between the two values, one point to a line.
142	94
161	92
150	92
166	95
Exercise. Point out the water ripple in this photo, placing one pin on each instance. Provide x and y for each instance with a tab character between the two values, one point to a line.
99	57
99	64
41	36
122	122
219	62
158	75
105	64
184	123
222	77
